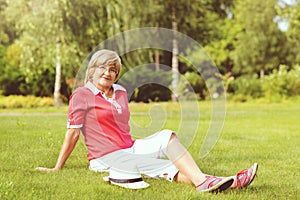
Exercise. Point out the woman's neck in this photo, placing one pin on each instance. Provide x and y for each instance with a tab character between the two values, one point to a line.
108	91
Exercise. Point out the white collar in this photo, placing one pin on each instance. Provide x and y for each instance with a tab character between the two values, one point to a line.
112	100
96	91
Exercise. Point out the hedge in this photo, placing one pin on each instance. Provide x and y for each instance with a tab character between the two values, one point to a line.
18	101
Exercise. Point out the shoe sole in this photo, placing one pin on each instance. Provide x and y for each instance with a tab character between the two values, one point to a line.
224	186
220	187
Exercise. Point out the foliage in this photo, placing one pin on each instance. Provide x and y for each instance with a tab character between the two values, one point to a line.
8	31
146	84
277	86
289	16
246	87
260	45
12	77
14	101
190	84
241	37
282	83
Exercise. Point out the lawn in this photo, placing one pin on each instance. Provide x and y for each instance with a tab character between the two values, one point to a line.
253	132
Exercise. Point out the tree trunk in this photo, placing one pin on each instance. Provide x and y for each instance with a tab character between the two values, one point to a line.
57	85
175	71
156	60
262	73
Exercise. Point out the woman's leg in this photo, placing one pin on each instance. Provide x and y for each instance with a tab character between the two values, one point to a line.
165	143
189	171
182	178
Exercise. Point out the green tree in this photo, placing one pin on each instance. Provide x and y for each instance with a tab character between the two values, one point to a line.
259	44
11	78
198	19
8	31
290	14
55	36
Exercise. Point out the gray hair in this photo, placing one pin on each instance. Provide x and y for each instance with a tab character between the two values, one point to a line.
102	57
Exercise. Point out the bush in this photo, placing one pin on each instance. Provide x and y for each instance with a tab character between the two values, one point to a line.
246	86
282	83
189	84
15	101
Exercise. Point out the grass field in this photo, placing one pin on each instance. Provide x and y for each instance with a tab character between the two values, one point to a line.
265	133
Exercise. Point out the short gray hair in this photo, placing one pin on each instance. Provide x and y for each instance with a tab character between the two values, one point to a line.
102	57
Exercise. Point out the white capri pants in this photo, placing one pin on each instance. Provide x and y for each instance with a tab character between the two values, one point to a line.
145	157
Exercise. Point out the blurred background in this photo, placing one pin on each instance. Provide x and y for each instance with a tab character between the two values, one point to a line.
254	44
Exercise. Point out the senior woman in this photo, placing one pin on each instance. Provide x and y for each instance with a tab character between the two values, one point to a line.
100	111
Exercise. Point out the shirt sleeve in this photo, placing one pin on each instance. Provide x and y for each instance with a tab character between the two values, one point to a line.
77	109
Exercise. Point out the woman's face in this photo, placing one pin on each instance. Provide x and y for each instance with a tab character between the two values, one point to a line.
105	76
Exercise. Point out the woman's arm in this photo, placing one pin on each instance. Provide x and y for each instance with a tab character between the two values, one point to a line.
69	143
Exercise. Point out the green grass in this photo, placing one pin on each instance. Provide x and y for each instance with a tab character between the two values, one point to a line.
265	133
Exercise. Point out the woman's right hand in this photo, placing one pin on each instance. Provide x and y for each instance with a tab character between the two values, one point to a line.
71	138
45	169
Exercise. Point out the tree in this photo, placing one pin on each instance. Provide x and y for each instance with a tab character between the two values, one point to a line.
42	39
198	19
291	16
12	76
222	44
240	36
260	41
55	36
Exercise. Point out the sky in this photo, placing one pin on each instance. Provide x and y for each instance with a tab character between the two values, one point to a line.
283	24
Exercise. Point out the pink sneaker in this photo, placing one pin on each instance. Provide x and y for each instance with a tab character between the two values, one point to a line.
246	176
215	184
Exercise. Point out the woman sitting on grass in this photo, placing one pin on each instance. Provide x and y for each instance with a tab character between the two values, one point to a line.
100	111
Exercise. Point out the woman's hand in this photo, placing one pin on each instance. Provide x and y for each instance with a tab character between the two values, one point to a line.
69	143
45	169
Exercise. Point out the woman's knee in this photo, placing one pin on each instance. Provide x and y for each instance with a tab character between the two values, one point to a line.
173	136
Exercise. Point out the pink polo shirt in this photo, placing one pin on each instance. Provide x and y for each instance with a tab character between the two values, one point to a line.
103	121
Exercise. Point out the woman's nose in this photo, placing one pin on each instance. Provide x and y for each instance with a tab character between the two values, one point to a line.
106	72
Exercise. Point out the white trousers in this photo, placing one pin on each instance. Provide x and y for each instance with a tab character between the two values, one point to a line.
145	157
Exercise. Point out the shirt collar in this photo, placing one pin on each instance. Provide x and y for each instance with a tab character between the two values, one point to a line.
96	91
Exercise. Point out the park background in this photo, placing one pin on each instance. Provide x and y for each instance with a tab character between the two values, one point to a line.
254	44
